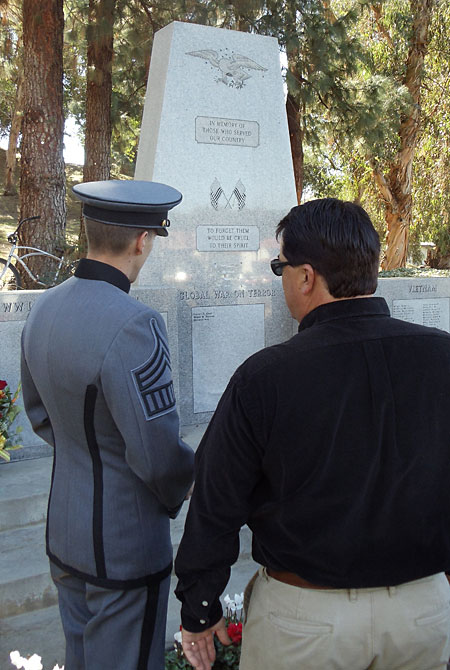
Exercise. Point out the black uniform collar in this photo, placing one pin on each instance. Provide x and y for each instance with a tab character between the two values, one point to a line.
342	309
90	269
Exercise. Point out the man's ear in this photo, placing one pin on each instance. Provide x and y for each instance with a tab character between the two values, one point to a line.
307	278
141	241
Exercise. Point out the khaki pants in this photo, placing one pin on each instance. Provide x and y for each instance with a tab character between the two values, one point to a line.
405	627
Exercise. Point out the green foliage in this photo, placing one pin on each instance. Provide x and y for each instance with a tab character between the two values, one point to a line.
10	62
174	661
227	658
432	164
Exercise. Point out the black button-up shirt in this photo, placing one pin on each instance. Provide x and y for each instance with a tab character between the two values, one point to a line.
334	448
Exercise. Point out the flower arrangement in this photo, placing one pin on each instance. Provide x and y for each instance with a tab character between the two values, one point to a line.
8	412
227	657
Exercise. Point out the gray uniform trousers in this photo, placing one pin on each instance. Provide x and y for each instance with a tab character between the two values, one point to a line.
112	629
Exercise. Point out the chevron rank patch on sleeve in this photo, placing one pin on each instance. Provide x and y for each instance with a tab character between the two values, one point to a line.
153	379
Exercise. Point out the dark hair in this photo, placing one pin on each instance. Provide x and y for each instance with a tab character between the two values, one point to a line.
109	238
338	239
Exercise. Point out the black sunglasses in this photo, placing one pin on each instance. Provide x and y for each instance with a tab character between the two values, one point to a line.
277	266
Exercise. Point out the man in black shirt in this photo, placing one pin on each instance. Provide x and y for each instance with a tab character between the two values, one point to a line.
334	448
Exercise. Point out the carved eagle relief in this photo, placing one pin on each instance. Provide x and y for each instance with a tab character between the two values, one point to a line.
232	67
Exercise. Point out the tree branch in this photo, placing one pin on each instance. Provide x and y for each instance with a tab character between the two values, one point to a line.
382	184
377	12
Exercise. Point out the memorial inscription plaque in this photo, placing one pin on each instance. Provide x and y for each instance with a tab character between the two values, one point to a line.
227	238
209	130
433	313
425	302
212	365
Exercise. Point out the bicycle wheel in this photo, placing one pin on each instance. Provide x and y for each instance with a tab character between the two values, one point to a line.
10	280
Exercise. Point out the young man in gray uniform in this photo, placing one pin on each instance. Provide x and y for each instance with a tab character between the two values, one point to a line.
97	386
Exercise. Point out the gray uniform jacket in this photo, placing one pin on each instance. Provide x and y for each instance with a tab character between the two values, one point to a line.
97	386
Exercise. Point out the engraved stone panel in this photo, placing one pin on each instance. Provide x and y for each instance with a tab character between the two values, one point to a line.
227	132
227	238
222	337
424	301
426	312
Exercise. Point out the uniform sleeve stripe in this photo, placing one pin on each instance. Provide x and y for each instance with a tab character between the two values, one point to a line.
155	400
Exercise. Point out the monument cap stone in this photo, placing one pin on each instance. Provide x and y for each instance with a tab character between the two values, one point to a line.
128	203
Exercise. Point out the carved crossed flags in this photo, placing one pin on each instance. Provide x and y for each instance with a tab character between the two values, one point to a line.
153	379
220	201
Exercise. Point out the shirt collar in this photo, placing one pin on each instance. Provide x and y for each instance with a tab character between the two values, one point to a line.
90	269
341	309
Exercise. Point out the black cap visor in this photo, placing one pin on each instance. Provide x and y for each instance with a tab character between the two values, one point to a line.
146	220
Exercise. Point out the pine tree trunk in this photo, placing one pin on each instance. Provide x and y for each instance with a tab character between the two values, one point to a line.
398	198
16	123
42	181
97	149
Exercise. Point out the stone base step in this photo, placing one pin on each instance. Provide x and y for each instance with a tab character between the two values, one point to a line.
40	632
24	492
25	582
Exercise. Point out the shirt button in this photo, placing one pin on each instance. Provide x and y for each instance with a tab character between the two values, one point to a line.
205	603
202	621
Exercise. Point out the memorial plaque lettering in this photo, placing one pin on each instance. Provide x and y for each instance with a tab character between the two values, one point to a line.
427	312
217	352
228	132
227	238
193	294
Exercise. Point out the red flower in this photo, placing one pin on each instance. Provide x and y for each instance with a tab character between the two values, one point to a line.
234	630
3	384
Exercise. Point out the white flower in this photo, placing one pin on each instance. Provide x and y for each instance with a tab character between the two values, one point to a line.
178	637
226	600
239	600
16	659
33	663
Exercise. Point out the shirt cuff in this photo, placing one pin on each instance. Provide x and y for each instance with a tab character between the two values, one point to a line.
197	624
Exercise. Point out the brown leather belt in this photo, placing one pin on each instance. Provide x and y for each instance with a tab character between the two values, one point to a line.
293	579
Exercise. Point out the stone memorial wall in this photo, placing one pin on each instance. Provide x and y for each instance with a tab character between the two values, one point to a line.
201	376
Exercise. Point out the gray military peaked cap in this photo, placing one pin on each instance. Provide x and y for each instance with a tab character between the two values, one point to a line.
129	203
